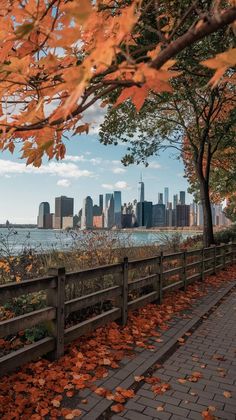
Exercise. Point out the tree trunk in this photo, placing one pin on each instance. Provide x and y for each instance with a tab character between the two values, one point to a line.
208	235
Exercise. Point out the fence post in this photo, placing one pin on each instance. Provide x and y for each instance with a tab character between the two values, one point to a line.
214	259
202	266
161	277
185	270
56	298
224	257
124	307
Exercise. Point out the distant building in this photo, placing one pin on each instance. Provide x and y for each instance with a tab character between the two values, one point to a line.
126	221
98	221
64	206
169	216
147	214
141	191
160	198
44	210
101	202
109	216
158	215
166	196
49	221
87	213
70	222
175	201
182	197
117	208
182	215
144	214
97	210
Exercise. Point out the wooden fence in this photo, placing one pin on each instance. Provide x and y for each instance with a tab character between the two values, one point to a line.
137	283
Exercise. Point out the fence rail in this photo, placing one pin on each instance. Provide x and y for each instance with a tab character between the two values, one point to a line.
139	282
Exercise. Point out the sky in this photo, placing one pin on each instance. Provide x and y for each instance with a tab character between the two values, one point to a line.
89	168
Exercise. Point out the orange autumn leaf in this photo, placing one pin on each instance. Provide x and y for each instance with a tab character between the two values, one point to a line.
118	408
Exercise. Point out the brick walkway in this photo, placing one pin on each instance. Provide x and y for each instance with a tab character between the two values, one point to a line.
214	336
210	350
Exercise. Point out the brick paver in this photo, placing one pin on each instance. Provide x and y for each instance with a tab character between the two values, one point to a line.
210	350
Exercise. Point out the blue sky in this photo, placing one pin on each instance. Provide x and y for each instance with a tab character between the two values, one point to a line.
89	169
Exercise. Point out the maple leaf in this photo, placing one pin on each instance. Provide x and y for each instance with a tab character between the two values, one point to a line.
221	63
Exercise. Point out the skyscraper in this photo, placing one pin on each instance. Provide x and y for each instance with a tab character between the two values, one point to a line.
166	196
141	191
182	197
117	208
182	215
160	198
44	210
107	198
158	215
101	202
175	201
109	218
87	213
64	206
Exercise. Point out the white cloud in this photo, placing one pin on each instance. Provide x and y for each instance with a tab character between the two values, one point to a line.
60	169
120	185
75	158
108	186
154	165
63	183
118	170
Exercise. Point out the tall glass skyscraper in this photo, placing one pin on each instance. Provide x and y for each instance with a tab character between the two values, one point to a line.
182	197
175	201
109	218
166	196
117	208
64	207
141	191
44	210
101	202
87	213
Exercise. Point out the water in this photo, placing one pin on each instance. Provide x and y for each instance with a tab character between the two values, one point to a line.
14	241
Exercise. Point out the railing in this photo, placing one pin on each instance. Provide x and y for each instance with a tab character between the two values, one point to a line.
137	283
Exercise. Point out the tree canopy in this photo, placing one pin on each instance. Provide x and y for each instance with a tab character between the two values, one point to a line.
58	58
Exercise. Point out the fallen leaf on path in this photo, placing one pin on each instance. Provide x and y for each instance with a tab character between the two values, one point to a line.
227	394
118	408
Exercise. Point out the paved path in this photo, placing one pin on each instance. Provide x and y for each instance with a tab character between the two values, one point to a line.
178	362
210	350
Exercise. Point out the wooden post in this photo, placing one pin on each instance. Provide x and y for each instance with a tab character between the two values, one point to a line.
56	298
160	277
224	256
185	270
124	307
231	256
202	266
214	259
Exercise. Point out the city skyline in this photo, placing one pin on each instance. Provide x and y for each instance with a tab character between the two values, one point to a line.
111	212
89	168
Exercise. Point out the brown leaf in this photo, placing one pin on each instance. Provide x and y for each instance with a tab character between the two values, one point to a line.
227	394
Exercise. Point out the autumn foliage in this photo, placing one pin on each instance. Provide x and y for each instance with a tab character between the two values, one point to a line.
57	58
44	388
